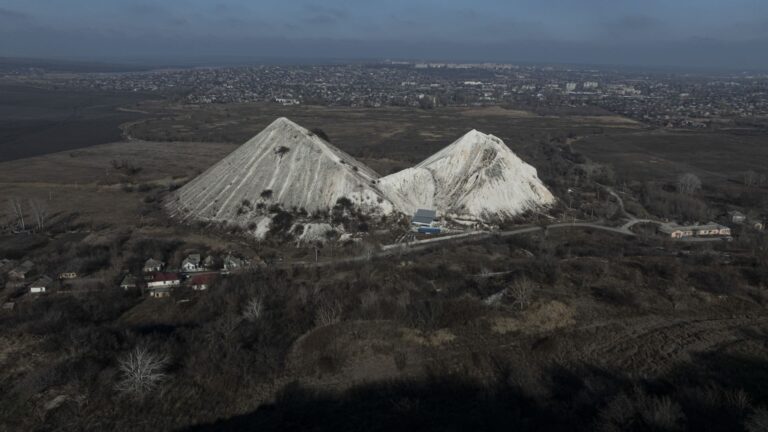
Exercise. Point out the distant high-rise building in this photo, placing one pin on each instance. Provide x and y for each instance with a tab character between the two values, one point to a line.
590	85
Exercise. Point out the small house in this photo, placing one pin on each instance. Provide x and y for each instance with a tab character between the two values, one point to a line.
67	275
209	262
129	282
159	292
710	229
737	217
423	218
152	265
164	280
22	271
191	263
428	230
232	263
201	282
41	285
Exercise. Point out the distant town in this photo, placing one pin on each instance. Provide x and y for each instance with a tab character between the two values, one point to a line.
688	101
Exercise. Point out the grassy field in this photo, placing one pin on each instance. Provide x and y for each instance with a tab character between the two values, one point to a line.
387	139
661	154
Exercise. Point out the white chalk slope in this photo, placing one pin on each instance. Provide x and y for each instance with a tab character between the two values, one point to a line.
299	168
477	177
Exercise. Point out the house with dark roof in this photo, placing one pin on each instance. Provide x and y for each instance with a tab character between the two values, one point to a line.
22	271
41	285
192	263
152	265
129	282
424	217
201	282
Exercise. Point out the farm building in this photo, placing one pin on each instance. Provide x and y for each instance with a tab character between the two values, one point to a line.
164	280
22	271
152	265
201	282
41	285
191	263
162	284
710	229
424	217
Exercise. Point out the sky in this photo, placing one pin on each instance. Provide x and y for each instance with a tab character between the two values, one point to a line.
693	33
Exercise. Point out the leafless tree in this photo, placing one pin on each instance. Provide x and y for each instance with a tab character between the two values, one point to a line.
522	292
751	178
253	309
688	183
18	211
142	371
39	213
327	313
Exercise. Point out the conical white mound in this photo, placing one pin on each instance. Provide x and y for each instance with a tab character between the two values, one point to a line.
477	177
284	164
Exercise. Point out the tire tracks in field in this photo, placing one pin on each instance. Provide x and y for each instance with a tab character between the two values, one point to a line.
655	344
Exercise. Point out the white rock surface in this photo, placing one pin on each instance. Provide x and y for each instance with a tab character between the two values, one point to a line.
309	173
477	177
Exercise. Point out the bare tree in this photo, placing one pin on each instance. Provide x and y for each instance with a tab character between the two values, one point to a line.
18	211
522	292
751	178
688	183
327	313
253	309
142	371
39	213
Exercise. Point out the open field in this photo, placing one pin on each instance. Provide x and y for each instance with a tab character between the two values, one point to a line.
386	139
651	155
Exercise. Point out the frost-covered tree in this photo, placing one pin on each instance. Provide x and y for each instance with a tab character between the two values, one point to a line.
142	371
688	183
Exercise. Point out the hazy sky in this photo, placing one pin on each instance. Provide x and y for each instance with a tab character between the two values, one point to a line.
655	32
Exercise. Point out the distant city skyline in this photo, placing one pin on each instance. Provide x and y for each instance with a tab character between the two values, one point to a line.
703	33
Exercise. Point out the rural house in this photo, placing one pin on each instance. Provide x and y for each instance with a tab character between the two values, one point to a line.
424	218
22	271
67	275
201	282
41	285
209	262
232	263
129	282
710	229
191	263
159	292
737	217
152	265
162	283
164	280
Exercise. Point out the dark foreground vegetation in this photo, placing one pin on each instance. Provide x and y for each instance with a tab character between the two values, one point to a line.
630	337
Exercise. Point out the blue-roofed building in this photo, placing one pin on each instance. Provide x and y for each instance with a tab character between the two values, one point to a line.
424	217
